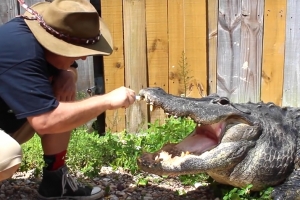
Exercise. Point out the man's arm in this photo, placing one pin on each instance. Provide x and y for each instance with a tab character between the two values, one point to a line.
69	115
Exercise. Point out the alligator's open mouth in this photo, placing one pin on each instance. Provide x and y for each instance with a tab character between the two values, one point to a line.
203	138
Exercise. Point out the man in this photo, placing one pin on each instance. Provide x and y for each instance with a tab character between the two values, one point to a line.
37	88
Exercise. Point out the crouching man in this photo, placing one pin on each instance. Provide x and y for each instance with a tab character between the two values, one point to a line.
37	88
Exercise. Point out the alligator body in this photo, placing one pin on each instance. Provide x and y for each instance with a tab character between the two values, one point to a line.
236	144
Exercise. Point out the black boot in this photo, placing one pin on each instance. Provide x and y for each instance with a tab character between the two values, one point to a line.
59	184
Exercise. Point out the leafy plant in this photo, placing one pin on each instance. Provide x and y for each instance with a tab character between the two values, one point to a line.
238	194
193	179
142	181
184	72
88	152
32	155
81	95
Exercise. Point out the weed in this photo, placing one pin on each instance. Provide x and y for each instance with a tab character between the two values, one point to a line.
238	194
184	72
142	181
193	179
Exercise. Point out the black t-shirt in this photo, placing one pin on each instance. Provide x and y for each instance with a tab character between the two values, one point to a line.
25	88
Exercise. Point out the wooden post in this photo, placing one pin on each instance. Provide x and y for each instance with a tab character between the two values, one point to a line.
212	23
228	62
239	49
29	3
251	51
157	49
135	60
176	43
114	74
291	89
8	10
273	51
195	47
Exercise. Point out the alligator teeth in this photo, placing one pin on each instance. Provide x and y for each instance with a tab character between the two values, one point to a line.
164	155
151	107
184	153
139	98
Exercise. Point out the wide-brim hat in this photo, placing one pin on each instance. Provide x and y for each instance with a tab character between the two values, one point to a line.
77	19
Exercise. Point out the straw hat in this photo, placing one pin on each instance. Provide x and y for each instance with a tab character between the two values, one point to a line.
69	28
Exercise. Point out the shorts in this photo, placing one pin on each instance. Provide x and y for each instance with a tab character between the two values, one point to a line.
10	149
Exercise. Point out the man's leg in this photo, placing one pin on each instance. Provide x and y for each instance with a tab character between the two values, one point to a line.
56	181
10	156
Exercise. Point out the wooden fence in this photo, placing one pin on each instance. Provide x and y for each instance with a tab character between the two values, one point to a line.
243	49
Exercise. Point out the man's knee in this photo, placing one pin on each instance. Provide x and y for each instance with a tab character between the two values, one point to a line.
10	156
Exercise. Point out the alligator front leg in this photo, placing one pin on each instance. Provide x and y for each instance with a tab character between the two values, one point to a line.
290	189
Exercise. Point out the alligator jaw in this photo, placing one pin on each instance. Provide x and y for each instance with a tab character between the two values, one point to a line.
172	161
203	144
201	110
202	139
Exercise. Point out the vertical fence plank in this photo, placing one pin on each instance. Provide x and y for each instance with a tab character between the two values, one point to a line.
176	43
273	51
228	62
212	22
251	50
240	47
291	89
29	3
135	60
85	74
114	74
195	48
8	10
157	49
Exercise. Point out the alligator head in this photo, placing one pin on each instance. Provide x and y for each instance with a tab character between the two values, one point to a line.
236	144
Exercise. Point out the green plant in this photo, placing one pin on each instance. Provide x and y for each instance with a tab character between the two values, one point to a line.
180	192
88	152
228	192
193	179
81	95
32	155
265	194
238	194
184	77
142	181
173	131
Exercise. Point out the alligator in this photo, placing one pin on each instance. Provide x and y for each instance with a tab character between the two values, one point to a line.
234	143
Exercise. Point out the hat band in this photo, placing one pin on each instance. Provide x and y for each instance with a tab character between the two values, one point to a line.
55	33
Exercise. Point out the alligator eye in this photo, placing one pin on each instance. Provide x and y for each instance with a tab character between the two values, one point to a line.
224	101
221	101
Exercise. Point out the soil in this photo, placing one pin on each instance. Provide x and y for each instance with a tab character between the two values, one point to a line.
116	185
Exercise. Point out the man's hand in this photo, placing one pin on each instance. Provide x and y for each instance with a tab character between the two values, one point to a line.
64	85
120	97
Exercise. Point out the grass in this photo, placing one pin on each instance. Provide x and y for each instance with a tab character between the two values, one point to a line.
88	152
